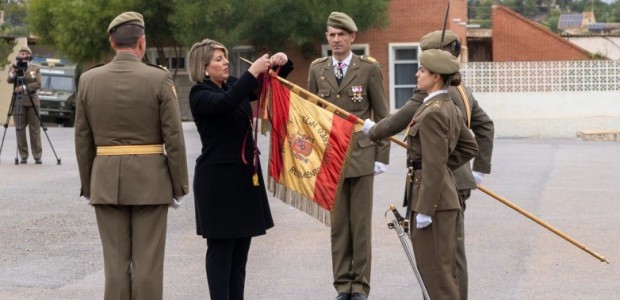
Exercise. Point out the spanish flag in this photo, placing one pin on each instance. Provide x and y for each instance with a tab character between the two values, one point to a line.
308	152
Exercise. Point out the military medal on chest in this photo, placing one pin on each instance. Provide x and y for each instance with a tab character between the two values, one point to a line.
357	93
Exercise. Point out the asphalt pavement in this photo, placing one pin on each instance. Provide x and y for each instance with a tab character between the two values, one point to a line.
50	247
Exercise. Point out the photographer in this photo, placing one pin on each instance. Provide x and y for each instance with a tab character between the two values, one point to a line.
27	80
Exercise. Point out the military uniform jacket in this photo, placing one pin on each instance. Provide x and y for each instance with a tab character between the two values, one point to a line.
127	102
441	141
32	81
360	93
480	124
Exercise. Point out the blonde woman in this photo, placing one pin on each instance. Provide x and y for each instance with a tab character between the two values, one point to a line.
230	207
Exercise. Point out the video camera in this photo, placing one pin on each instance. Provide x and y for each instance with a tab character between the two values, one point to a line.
22	64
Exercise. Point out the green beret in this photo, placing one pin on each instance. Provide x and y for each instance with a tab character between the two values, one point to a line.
341	21
129	17
439	62
25	49
431	40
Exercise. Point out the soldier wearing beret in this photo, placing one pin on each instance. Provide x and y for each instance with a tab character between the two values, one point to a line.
355	84
475	118
437	143
131	157
27	106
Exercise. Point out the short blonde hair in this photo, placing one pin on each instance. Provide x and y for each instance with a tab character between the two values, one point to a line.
200	56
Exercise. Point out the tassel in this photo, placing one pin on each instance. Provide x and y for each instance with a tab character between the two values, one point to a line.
255	179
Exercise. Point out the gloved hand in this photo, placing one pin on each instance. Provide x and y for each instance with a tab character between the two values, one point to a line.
422	220
176	202
368	123
478	177
380	168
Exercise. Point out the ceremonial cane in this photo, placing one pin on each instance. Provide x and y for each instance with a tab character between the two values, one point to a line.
401	226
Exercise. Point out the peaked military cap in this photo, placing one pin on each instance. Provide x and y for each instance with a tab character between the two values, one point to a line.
439	62
341	21
128	17
25	49
431	40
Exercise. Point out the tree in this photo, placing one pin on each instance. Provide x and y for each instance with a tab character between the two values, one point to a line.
78	28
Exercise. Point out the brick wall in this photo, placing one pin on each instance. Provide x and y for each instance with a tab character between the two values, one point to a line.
409	21
516	38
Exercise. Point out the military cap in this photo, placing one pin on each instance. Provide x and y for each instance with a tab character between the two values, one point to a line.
341	21
25	49
128	17
432	40
439	62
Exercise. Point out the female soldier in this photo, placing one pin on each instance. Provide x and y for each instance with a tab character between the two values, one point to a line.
437	143
230	197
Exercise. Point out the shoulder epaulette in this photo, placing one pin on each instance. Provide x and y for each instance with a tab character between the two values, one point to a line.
157	66
369	59
96	66
318	60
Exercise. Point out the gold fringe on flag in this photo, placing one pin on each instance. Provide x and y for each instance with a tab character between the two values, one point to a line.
298	201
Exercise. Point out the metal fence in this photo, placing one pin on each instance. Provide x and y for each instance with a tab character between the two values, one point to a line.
547	76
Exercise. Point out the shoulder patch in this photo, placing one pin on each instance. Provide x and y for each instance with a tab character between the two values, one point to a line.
369	59
157	66
318	60
96	66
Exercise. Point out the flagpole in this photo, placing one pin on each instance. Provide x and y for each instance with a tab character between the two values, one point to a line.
541	222
316	99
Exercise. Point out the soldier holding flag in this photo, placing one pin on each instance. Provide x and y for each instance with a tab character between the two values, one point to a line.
437	143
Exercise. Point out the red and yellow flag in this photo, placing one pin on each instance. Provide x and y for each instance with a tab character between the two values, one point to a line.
309	147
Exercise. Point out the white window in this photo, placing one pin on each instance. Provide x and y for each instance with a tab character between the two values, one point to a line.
403	59
174	58
236	65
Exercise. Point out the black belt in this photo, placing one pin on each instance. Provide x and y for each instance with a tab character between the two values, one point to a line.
415	164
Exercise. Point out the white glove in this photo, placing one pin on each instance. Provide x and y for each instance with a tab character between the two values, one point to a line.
176	202
380	168
368	123
422	220
478	177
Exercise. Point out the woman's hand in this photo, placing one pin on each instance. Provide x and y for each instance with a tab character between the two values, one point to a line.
278	59
260	65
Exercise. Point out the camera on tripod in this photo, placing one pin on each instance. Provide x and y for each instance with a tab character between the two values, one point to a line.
22	64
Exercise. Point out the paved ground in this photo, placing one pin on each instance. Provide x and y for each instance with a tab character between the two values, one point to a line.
50	249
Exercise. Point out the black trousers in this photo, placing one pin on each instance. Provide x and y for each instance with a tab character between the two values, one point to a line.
225	263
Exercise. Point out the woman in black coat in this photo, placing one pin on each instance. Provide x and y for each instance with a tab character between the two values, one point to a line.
229	190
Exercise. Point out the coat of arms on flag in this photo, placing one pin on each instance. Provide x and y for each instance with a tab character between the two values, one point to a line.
309	148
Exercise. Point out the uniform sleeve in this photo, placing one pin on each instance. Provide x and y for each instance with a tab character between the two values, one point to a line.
312	84
466	148
435	148
172	134
85	149
36	81
379	110
484	131
396	122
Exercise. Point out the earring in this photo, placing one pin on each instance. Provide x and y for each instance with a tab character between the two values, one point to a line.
207	74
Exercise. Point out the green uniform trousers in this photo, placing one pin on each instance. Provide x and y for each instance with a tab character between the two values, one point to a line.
351	237
133	239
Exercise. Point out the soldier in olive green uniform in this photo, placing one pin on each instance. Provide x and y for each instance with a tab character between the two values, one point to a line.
438	142
355	85
475	118
127	114
27	107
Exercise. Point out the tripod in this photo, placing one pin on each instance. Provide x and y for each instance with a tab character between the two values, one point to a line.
17	105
